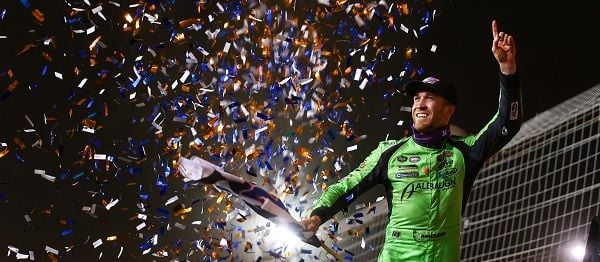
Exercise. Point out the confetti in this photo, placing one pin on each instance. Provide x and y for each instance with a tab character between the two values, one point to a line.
97	243
51	250
273	92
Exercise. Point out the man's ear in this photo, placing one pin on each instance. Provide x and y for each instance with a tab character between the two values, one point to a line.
451	109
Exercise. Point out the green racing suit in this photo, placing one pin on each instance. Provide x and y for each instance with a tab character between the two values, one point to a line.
426	187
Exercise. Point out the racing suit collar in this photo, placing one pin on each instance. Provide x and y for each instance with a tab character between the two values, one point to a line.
433	139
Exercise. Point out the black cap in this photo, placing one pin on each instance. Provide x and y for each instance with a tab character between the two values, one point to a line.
434	85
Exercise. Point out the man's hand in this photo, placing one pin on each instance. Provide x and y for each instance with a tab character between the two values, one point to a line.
504	50
311	224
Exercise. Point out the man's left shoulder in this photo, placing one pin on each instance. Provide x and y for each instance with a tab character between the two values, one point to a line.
462	140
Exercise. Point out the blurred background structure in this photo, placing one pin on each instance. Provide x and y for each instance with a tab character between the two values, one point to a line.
535	199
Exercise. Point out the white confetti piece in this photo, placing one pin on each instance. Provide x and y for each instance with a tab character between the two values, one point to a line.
404	28
43	174
171	200
112	204
13	249
101	15
357	74
363	84
88	130
51	250
58	75
220	7
97	243
348	108
140	226
226	47
82	83
203	51
184	77
258	131
306	81
352	148
90	30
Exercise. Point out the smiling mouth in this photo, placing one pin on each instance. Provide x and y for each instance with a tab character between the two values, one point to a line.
421	115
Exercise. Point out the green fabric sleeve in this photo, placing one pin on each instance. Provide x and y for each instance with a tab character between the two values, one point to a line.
339	195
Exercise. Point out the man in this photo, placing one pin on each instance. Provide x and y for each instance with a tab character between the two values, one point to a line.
427	177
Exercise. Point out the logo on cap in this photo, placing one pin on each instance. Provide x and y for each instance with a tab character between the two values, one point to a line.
430	80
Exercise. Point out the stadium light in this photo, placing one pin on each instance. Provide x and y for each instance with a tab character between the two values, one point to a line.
285	236
577	251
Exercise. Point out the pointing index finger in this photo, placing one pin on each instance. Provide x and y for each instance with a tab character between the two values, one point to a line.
494	29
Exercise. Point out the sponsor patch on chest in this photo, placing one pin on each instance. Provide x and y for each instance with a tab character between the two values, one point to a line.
401	175
414	159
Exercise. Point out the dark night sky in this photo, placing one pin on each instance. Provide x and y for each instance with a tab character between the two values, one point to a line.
557	53
558	50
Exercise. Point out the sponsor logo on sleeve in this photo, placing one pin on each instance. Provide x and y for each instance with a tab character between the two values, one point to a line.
514	110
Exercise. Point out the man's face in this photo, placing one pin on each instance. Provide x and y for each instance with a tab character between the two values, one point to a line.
430	111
